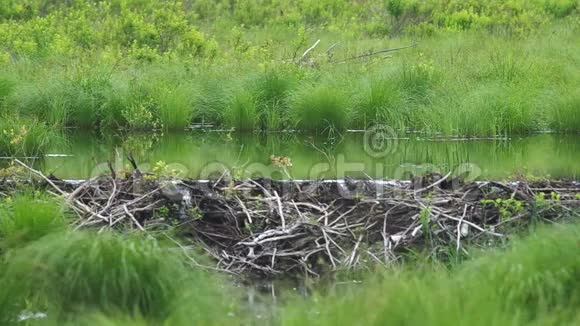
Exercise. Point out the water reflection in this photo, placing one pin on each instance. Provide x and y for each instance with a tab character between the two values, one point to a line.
203	154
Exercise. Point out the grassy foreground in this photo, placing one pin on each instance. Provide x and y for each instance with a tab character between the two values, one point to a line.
83	277
480	68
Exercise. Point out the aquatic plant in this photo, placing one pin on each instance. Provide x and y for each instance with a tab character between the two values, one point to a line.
174	106
566	112
378	101
272	90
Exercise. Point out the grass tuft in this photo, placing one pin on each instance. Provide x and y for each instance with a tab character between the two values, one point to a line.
566	115
28	217
241	111
21	137
320	108
378	100
272	90
72	272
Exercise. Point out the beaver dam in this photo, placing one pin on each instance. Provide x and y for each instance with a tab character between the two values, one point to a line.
262	227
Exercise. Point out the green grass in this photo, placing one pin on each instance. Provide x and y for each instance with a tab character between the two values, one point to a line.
105	278
28	217
6	87
70	273
272	90
174	106
378	100
320	107
451	85
241	111
477	68
25	136
567	112
535	281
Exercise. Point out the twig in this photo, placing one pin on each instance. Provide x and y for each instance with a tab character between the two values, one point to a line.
309	49
376	52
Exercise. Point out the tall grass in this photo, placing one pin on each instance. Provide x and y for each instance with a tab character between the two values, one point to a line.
455	88
6	87
28	217
241	110
535	281
21	136
87	279
320	107
174	105
272	90
214	96
378	100
566	112
68	273
489	109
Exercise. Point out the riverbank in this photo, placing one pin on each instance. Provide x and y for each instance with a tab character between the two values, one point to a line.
478	76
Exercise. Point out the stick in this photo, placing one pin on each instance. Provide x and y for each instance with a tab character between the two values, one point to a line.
307	51
62	192
280	212
133	218
377	52
459	228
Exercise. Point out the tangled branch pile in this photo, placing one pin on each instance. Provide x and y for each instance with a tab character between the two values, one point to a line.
269	227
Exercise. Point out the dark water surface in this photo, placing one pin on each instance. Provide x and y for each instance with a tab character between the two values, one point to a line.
205	154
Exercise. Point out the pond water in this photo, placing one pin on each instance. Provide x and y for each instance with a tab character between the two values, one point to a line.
205	154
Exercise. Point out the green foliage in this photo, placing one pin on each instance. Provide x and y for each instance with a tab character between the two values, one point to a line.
139	116
174	106
28	217
240	113
6	87
272	90
25	137
566	111
320	108
68	273
146	30
533	282
378	99
143	64
506	207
